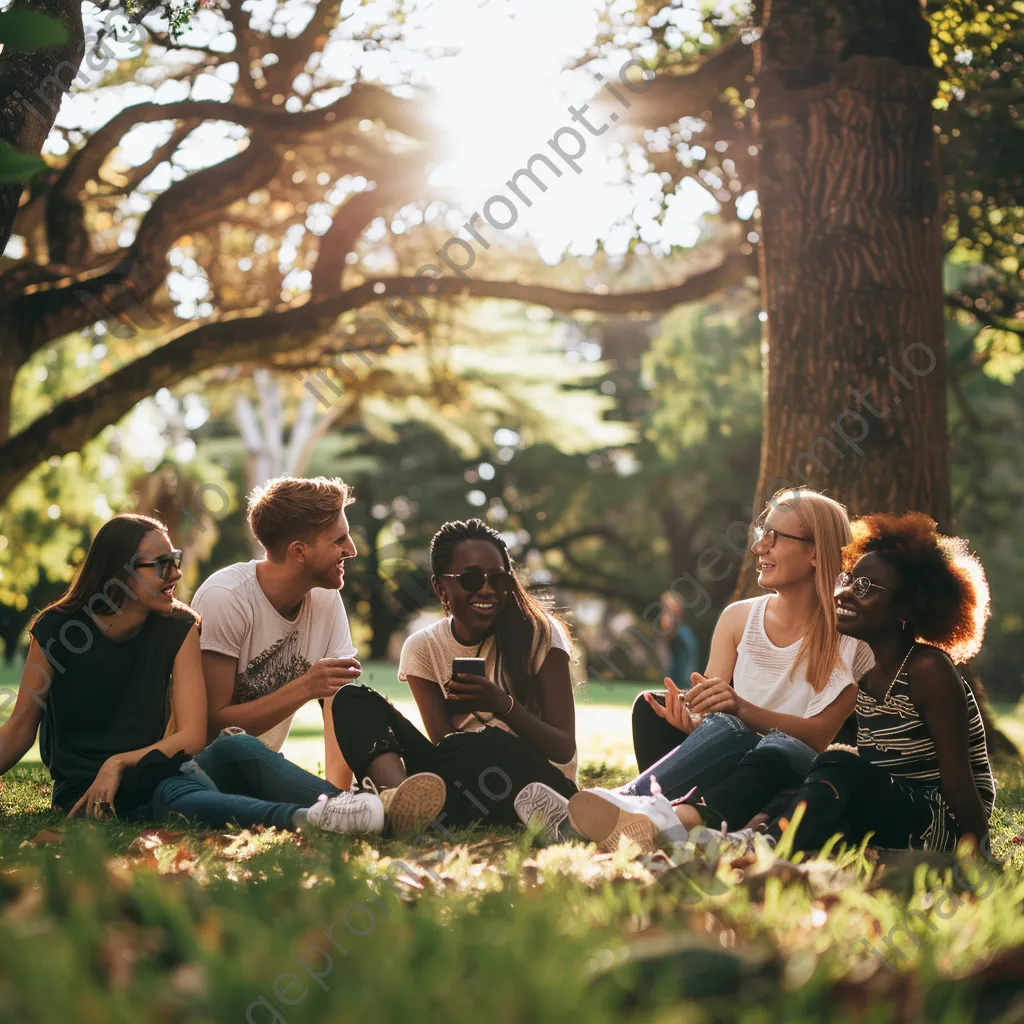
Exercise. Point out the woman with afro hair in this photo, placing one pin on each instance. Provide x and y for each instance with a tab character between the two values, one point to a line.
920	775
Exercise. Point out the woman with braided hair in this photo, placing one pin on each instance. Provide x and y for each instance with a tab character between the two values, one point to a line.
490	735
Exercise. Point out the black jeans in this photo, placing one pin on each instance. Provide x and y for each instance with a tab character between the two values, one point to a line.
653	737
483	771
850	796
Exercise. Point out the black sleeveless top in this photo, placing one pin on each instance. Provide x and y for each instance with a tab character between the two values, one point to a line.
106	696
893	736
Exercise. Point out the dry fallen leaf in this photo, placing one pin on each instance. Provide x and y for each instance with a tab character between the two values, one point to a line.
220	841
189	979
183	862
45	837
143	849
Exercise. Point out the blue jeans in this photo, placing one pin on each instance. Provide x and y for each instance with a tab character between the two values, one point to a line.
245	765
236	780
710	753
763	781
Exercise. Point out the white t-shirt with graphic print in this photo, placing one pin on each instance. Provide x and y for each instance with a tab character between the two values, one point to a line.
238	620
429	652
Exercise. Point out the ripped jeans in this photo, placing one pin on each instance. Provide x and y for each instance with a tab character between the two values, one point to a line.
848	795
714	751
483	771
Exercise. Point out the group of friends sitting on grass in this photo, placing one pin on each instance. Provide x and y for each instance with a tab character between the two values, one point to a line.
837	689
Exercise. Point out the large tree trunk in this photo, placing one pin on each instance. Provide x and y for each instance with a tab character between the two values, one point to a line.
851	254
851	264
32	87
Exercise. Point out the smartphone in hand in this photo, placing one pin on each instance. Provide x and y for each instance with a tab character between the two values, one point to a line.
469	667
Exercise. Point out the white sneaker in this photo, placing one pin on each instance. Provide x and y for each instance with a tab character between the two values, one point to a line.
602	815
540	804
348	813
742	842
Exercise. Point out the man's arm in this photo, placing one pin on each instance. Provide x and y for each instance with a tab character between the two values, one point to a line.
257	716
340	645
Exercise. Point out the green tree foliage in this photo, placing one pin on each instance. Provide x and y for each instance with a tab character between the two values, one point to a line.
47	523
624	523
979	114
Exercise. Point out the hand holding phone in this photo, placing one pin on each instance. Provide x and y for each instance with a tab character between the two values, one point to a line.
471	690
468	667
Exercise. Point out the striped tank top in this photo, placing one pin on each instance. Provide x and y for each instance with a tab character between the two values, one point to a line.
892	735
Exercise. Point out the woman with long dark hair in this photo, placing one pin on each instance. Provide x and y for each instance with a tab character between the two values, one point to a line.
490	734
114	678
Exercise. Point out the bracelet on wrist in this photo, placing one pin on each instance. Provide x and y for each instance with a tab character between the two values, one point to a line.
511	705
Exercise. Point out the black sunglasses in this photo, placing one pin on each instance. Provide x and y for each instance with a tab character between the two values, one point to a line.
473	580
163	563
859	585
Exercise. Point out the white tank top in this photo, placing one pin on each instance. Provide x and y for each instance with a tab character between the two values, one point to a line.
767	675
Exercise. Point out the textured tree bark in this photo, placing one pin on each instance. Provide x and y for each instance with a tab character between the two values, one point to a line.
851	258
32	87
851	265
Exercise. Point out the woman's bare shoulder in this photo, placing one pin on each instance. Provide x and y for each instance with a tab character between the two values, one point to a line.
733	621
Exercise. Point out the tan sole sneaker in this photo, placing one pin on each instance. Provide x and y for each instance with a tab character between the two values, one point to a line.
603	823
412	805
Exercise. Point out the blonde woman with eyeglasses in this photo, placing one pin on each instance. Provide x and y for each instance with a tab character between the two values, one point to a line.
779	679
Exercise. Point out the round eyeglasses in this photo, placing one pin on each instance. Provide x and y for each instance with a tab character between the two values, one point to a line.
858	585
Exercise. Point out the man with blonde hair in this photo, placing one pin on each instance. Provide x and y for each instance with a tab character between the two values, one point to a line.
275	636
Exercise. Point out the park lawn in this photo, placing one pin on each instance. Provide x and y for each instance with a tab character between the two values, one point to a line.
126	924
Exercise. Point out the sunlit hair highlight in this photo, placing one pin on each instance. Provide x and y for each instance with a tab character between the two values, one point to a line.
292	508
827	522
943	591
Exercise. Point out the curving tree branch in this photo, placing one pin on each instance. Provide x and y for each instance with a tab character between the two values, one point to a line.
364	101
293	54
692	92
47	311
257	335
403	179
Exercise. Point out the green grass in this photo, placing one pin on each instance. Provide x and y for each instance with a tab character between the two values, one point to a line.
193	927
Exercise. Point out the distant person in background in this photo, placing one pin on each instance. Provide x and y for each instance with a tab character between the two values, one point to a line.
275	633
683	645
114	677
